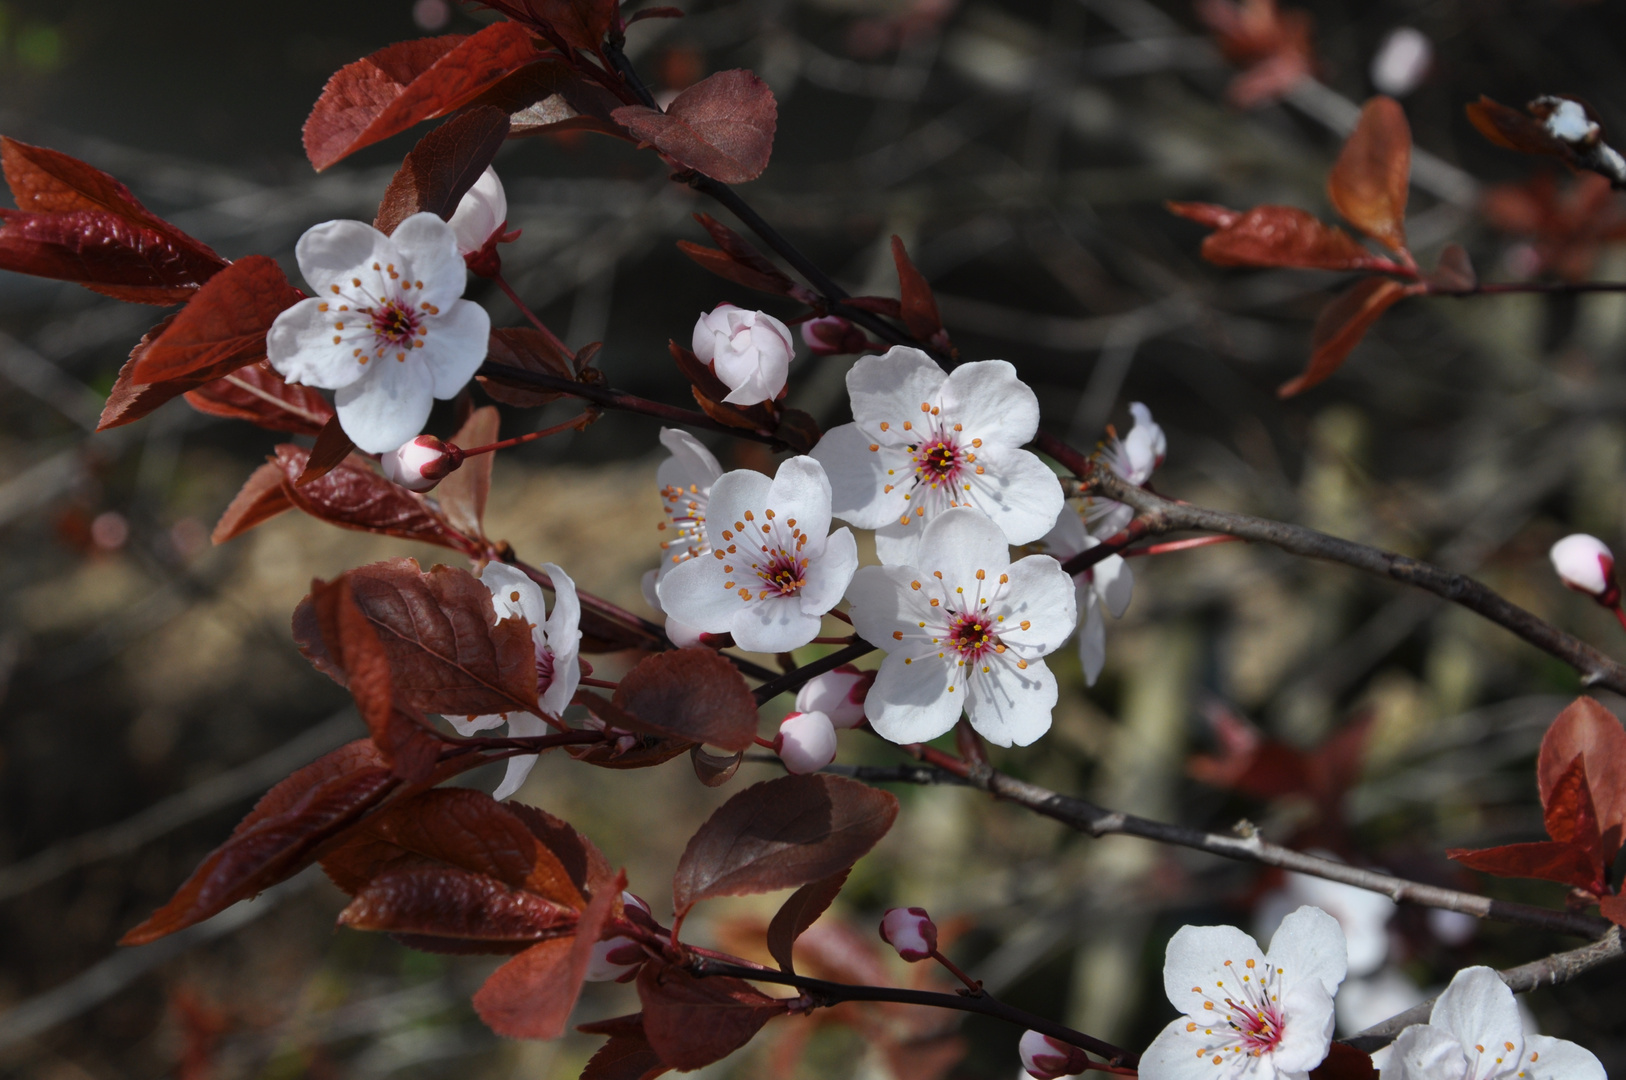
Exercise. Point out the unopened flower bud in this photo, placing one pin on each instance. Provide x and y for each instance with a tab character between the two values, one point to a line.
910	931
1045	1058
1402	61
482	211
833	335
1585	564
750	351
838	694
422	463
600	967
807	742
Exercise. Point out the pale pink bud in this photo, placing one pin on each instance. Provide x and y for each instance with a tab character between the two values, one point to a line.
750	351
600	967
481	212
807	742
838	694
1045	1058
1402	61
1585	564
910	931
832	335
421	464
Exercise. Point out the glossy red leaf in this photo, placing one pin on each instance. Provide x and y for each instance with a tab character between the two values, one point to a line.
799	912
1570	818
690	694
1613	908
627	1055
1370	180
582	24
1341	326
1512	129
737	260
129	400
782	834
104	252
714	770
223	328
445	903
918	304
258	394
282	835
1588	730
446	651
549	96
531	350
442	167
403	84
589	871
355	496
261	499
692	1022
332	447
1286	236
1210	214
531	996
1546	860
722	126
462	495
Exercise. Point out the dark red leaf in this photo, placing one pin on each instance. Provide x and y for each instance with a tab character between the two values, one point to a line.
104	252
282	835
1590	731
585	864
332	447
447	653
462	495
581	23
627	1056
442	167
549	96
1341	326
918	304
1455	270
1546	860
223	328
719	263
782	834
1210	214
1571	819
261	499
692	1022
797	430
1372	176
531	996
129	400
532	350
258	394
1286	236
441	902
356	496
1514	130
714	770
722	126
400	85
799	912
690	694
1344	1062
1613	908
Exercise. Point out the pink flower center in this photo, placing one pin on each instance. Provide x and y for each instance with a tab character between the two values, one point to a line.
395	325
779	566
942	459
544	668
938	461
375	325
971	634
1243	1012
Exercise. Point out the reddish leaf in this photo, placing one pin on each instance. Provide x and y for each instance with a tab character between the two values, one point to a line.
1286	236
1546	860
1613	908
582	24
532	350
447	653
355	496
1570	819
261	499
258	394
918	304
104	252
627	1056
130	400
1210	214
697	372
550	96
1342	324
799	912
797	430
588	869
463	494
531	996
223	328
442	167
1514	130
722	126
690	694
443	903
398	86
281	836
1590	731
714	770
332	447
692	1022
781	834
1369	182
880	305
1455	270
719	263
1344	1062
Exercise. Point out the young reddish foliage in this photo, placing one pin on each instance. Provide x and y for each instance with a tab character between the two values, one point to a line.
282	835
1587	729
462	495
690	694
398	86
1514	130
442	167
1269	236
1273	46
1369	182
917	304
722	126
800	911
693	1022
332	447
781	834
261	499
550	96
443	909
223	327
258	394
1341	326
354	496
445	649
736	259
531	350
627	1055
1569	228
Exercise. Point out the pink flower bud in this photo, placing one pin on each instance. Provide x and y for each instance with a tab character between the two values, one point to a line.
481	212
1045	1058
807	742
833	335
750	351
614	957
422	463
1585	564
838	694
910	931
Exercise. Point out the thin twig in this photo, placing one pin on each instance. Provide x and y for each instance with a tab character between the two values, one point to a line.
793	680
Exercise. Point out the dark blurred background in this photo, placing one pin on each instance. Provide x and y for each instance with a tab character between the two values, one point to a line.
149	689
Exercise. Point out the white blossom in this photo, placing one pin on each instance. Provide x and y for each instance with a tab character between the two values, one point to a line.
750	351
1134	458
838	694
387	328
482	211
1475	1033
924	441
772	572
685	479
557	636
1585	563
806	743
1402	61
1248	1012
1105	586
963	628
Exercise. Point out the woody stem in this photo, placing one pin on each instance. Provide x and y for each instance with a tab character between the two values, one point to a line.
519	440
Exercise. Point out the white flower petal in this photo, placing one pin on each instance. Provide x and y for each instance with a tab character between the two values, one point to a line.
1114	583
890	389
1310	945
513	593
897	544
690	464
333	252
563	637
1067	537
1173	1056
1479	1010
859	476
1197	957
1042	597
300	346
455	346
801	490
692	592
387	407
427	251
735	494
829	575
1006	704
959	542
520	726
1092	638
910	702
1307	1028
992	403
1018	491
883	603
1547	1058
470	725
480	212
773	625
1425	1052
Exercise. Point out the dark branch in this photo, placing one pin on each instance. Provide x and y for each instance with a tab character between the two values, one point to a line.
793	680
